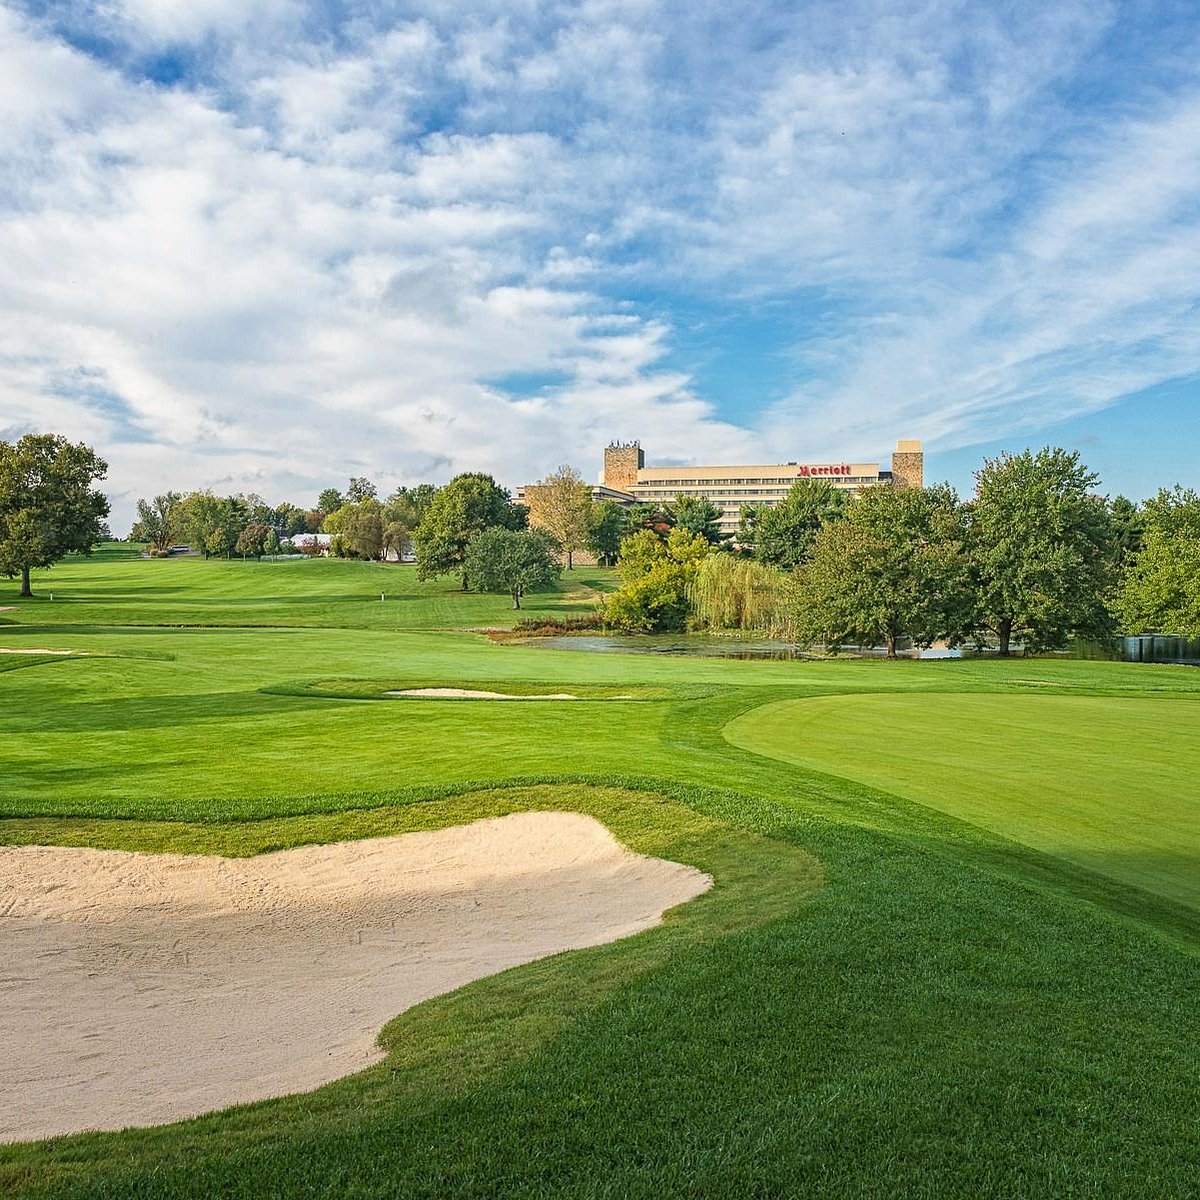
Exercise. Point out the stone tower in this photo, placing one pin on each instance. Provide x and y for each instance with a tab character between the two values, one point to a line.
908	465
622	462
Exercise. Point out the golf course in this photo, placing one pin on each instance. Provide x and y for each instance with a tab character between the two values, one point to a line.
936	931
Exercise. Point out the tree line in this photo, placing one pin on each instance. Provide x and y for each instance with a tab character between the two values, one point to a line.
1036	556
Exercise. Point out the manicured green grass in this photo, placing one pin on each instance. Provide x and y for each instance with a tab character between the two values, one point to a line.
1110	783
888	992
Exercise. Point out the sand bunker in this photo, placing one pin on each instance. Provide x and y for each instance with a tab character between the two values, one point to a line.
140	989
446	693
6	650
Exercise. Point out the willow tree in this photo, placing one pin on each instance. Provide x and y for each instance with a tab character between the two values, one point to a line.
737	593
561	504
48	507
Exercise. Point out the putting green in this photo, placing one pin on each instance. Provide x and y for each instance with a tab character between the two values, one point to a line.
1107	783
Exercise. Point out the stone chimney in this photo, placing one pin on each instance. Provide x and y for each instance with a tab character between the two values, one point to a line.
622	462
908	465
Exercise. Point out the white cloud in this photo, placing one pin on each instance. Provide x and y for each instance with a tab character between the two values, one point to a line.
326	250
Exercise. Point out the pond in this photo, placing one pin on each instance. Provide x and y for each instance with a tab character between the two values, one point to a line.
697	645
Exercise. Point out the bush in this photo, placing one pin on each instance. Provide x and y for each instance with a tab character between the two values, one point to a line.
655	603
555	626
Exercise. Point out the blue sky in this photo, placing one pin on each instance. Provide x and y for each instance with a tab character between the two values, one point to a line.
267	246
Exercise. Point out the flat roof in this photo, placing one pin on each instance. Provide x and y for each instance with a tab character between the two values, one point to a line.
760	470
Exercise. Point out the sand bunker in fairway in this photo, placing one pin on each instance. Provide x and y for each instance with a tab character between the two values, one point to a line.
23	650
140	989
440	693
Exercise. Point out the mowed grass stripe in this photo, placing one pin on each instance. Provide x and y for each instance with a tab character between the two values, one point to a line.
1109	783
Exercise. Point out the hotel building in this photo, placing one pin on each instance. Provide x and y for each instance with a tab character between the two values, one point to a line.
627	480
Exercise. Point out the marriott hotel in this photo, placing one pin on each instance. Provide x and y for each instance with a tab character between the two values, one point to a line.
627	479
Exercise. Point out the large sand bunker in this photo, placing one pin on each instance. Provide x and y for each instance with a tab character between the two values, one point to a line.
138	989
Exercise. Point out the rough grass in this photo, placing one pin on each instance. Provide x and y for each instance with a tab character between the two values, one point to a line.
885	994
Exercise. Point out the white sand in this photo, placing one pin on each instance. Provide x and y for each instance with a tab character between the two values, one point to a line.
440	693
6	650
140	989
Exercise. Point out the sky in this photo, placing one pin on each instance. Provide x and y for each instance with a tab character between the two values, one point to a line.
264	247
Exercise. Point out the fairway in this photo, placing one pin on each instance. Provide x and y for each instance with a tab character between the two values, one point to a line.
1107	782
951	947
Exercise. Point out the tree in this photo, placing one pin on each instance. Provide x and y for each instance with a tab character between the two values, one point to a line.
48	507
729	592
329	501
782	536
211	523
656	577
157	523
699	515
561	504
1128	529
515	561
647	515
1041	548
1160	592
289	520
466	506
408	505
358	530
896	566
253	540
605	530
360	489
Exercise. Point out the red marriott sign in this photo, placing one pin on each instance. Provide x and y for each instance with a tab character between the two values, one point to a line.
839	469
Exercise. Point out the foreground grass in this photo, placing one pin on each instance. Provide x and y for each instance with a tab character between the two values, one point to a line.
884	994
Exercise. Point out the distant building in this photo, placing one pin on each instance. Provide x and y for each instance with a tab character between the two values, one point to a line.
307	541
627	480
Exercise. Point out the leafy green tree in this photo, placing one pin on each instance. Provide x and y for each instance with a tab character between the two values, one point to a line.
329	501
782	535
514	561
358	530
606	528
895	567
157	522
253	540
201	516
697	514
289	520
1041	548
466	506
1128	524
360	489
657	574
1160	592
48	507
561	504
408	505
